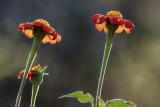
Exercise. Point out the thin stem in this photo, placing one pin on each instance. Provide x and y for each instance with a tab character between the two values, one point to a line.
32	55
107	50
35	88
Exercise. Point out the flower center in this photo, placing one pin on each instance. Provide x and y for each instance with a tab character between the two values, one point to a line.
43	21
114	14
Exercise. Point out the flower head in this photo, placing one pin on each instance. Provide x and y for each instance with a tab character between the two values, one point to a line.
40	26
31	72
112	18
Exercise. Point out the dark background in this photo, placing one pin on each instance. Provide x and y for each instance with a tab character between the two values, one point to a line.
74	64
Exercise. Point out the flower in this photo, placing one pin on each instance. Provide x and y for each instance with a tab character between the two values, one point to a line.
31	72
40	26
113	18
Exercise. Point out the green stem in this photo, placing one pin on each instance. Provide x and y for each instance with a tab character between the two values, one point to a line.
32	55
35	88
107	50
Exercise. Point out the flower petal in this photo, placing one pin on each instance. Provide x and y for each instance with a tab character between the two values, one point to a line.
46	28
105	30
46	39
43	21
37	23
54	36
20	26
128	31
119	29
114	20
104	19
33	71
59	38
52	41
97	18
21	74
29	75
99	27
121	22
52	30
36	67
27	25
129	26
28	33
37	26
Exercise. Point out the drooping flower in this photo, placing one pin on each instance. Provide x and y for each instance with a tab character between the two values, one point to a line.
40	26
113	18
30	73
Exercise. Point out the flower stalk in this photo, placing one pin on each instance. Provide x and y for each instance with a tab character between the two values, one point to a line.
37	79
41	30
32	55
35	88
107	50
111	23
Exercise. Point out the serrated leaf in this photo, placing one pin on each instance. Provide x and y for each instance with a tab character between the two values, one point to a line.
101	102
119	103
81	97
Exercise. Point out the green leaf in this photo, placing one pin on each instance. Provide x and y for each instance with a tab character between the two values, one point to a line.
101	103
119	103
82	98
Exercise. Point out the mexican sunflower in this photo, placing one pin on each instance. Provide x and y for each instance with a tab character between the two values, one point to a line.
112	18
30	73
40	27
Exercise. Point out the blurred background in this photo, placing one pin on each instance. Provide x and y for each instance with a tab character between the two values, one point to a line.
74	64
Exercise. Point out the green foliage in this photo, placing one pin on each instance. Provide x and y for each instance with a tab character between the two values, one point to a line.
88	98
119	103
81	97
101	103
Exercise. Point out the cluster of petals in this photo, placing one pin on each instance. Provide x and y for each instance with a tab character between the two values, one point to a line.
101	22
30	73
50	34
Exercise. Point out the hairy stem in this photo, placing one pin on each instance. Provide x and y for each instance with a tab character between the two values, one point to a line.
35	88
107	50
32	55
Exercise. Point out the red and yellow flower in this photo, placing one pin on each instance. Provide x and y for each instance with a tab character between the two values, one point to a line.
30	73
113	18
40	26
